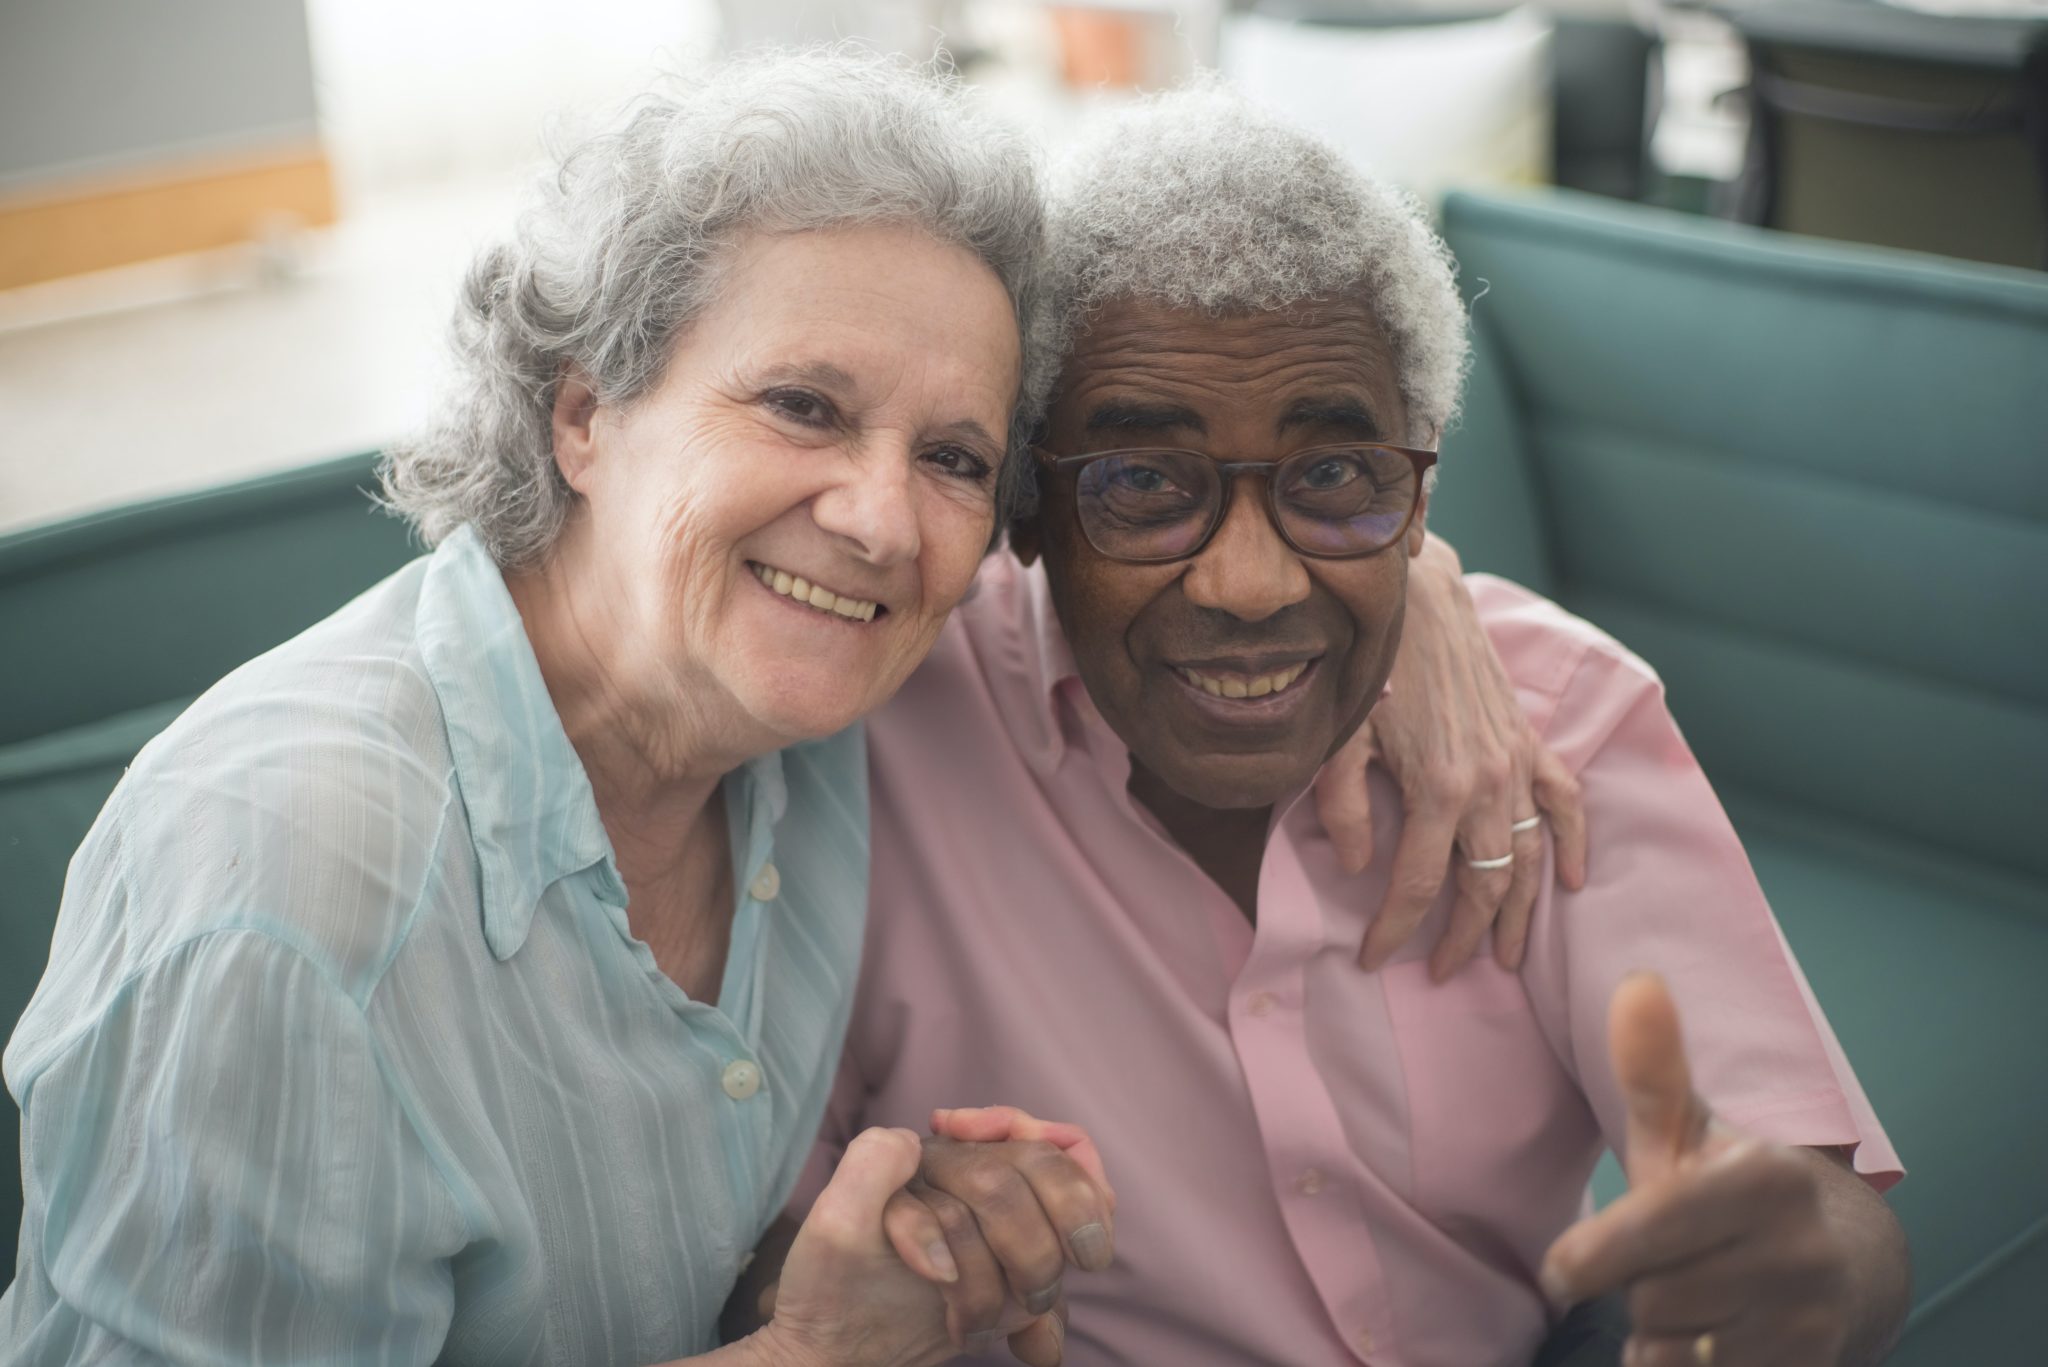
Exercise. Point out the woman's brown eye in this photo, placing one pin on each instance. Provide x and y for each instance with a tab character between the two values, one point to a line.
805	408
951	460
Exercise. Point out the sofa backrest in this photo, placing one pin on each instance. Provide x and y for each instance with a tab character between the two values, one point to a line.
1807	481
111	624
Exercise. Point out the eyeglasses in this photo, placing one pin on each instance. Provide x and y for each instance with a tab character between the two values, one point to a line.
1328	502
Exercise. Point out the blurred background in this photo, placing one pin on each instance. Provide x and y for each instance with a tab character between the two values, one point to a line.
229	229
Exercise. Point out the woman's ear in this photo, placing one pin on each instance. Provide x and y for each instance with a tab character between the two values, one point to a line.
1024	539
575	427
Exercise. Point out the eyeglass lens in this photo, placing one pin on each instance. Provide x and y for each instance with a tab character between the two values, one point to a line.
1162	505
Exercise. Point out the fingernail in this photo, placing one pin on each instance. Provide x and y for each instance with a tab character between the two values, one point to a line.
1043	1299
1090	1245
983	1340
942	1260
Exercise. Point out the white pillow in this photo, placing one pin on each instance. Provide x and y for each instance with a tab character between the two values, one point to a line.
1427	107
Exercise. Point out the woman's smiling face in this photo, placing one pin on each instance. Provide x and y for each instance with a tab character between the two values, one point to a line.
833	423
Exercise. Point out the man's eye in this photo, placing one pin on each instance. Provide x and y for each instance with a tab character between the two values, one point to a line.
1140	480
1330	474
801	406
959	463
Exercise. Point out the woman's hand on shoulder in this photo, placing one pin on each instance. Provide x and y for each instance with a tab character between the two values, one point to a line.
1472	772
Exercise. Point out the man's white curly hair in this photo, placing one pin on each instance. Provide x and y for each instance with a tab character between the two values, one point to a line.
1198	198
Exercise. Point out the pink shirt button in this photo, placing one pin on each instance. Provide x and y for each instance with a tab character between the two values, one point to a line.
1310	1182
1260	1004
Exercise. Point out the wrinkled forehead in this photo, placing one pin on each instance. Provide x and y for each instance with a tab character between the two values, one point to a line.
1146	369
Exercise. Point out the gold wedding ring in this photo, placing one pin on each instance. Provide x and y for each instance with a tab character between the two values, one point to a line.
1703	1350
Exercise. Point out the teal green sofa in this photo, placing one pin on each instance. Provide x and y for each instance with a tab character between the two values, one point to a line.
109	625
1809	483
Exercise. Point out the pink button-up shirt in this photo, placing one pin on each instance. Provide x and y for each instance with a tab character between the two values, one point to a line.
1313	1164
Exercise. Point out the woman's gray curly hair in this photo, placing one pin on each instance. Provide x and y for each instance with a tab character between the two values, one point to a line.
624	243
1199	199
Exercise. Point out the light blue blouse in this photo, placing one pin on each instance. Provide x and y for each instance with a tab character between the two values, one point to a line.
345	1052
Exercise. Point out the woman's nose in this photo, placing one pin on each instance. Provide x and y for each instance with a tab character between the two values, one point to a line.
1246	569
873	506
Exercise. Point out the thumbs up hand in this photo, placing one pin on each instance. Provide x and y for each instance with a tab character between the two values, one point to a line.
1720	1240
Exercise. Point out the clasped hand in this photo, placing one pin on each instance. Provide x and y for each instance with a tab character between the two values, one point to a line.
921	1248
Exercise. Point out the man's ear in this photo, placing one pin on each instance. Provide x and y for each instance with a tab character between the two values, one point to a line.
1418	530
574	423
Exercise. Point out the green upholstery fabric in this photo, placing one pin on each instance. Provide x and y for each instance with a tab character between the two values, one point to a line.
141	604
121	619
1809	483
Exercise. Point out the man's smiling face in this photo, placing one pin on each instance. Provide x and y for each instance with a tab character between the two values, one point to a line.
1247	611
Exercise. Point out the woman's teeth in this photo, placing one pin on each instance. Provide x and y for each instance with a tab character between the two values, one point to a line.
1243	685
816	595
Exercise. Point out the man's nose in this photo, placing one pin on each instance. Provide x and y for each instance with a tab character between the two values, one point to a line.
872	505
1246	570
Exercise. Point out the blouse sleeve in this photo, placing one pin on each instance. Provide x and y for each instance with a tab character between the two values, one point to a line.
216	1170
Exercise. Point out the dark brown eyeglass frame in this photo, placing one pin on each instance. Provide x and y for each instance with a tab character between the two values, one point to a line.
1229	470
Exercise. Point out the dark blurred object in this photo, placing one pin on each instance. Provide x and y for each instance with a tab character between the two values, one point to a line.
1878	124
1590	1336
1600	81
1601	85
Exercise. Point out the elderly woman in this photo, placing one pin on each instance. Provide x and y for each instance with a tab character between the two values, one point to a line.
462	980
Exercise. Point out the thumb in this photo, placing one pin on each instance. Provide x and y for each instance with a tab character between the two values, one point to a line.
1343	802
876	1164
1666	1118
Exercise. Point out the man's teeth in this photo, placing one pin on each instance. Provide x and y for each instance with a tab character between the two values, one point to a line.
1243	685
817	595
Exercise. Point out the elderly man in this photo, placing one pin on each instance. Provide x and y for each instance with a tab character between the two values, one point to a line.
1100	890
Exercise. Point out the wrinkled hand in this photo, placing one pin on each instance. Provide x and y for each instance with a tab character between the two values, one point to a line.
1718	1234
846	1297
1001	1204
1453	736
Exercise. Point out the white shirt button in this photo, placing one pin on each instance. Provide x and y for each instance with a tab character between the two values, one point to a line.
1260	1004
741	1080
1309	1183
766	884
